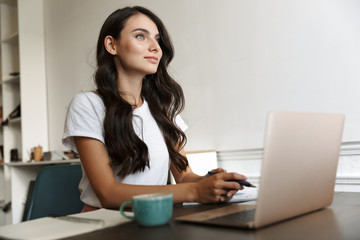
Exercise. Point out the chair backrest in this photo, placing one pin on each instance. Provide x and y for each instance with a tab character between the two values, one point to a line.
56	192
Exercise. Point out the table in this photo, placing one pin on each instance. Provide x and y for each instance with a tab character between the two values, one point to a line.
341	220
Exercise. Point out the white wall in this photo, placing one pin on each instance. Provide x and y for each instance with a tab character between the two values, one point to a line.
235	59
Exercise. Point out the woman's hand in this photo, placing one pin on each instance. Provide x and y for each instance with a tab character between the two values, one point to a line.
217	170
218	187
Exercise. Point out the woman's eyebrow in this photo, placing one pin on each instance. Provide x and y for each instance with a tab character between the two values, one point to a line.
141	30
145	31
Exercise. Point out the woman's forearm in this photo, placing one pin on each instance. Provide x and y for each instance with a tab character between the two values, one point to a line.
115	195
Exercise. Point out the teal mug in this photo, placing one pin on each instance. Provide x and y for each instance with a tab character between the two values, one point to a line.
150	209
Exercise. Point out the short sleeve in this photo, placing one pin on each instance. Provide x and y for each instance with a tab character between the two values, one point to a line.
84	118
180	123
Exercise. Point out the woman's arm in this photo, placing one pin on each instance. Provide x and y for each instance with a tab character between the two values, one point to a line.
188	175
112	194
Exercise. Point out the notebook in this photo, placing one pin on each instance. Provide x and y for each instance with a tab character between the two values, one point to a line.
298	172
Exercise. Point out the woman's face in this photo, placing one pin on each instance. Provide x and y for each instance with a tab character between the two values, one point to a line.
137	48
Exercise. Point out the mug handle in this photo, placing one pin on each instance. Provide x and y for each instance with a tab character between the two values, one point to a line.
122	209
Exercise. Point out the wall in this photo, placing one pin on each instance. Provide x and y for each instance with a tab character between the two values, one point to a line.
235	59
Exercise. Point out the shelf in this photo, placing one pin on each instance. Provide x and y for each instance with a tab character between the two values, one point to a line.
33	163
11	80
15	120
9	21
22	81
9	2
11	39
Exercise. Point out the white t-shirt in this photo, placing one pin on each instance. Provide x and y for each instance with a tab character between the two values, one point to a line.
85	118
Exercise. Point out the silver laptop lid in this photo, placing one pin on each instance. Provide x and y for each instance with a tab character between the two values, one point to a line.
298	172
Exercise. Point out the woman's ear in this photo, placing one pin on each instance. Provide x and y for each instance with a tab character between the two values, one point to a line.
110	45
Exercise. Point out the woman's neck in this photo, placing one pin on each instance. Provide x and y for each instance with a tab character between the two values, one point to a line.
133	101
130	89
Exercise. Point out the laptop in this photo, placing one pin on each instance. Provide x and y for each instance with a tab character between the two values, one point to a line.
298	172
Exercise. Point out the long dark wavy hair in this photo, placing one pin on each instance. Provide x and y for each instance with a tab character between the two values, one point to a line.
163	94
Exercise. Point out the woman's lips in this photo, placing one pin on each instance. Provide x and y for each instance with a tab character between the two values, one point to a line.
152	59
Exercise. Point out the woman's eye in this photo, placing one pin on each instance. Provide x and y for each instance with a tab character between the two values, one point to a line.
140	36
158	40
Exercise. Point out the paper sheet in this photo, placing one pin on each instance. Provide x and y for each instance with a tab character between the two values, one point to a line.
248	194
55	228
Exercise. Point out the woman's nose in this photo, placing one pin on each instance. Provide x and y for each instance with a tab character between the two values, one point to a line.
154	46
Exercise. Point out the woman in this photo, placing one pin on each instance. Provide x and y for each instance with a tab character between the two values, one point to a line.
129	131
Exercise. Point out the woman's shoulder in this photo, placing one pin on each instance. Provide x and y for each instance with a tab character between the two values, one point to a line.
86	105
87	98
83	96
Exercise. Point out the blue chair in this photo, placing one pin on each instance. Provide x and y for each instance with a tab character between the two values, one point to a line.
55	192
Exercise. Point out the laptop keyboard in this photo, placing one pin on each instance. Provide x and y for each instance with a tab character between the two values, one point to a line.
238	217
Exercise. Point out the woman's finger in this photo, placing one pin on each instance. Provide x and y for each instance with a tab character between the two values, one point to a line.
233	176
231	193
218	170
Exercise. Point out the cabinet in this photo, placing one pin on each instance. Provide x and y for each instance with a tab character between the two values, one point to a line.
23	83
